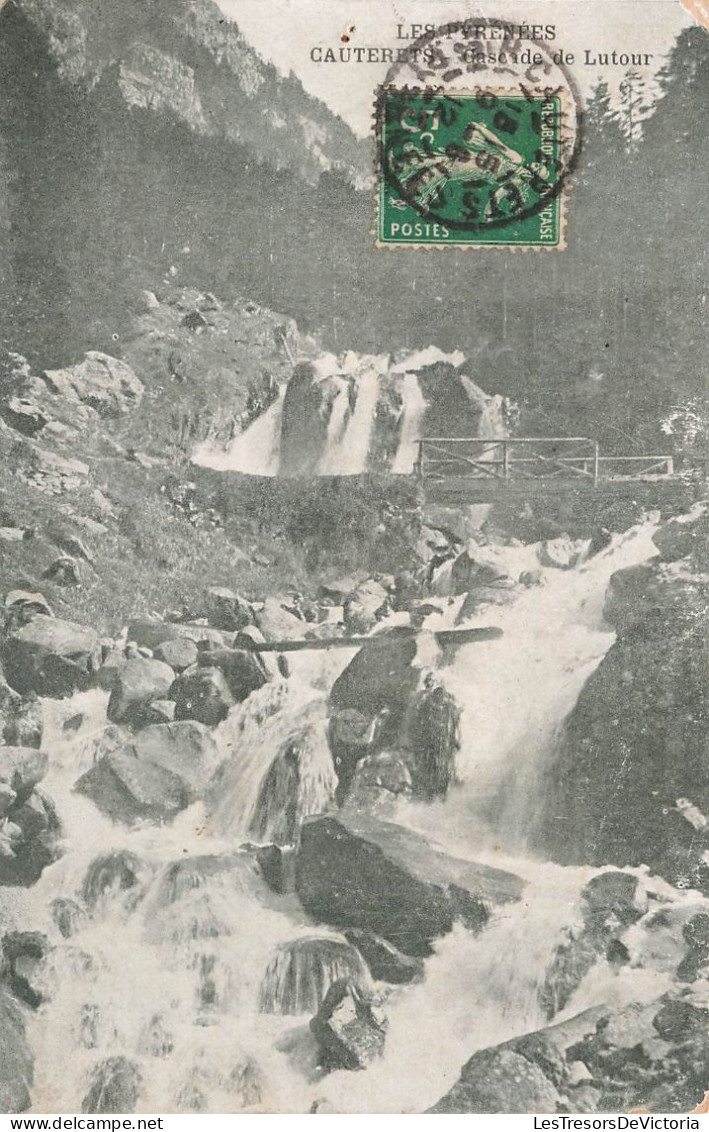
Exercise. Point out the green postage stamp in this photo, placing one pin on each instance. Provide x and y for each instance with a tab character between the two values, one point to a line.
469	168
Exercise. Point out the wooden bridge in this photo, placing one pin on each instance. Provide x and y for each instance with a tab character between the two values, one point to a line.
478	469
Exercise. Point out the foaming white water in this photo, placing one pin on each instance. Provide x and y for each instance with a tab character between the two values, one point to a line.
329	463
515	692
350	455
167	971
255	451
412	414
478	990
281	722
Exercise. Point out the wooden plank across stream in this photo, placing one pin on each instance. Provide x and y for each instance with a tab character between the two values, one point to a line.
444	638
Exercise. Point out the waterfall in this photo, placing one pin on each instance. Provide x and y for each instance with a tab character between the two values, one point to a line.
179	982
350	455
411	425
278	768
515	692
331	459
342	417
255	451
301	972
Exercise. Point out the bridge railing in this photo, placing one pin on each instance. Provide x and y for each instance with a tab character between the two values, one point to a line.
530	458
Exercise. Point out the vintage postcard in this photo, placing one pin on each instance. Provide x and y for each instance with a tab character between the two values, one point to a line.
353	558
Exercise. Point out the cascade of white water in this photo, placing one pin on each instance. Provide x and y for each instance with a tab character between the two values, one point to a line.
412	414
283	721
255	451
330	461
168	971
515	692
350	454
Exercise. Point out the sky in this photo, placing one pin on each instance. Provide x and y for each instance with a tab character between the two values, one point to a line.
285	31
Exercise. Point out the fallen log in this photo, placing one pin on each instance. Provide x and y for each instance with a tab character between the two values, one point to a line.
444	638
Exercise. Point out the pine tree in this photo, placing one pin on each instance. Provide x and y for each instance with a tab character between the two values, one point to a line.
635	108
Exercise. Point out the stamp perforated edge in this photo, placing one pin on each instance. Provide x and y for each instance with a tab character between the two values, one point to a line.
447	245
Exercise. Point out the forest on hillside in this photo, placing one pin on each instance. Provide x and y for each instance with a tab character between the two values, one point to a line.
100	199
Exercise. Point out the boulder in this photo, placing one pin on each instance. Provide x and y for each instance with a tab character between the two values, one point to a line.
29	838
66	571
103	383
25	604
151	633
482	596
16	1062
379	676
609	904
22	768
119	875
386	963
159	711
23	953
68	916
115	1087
301	972
113	660
137	683
695	964
226	610
380	782
11	534
350	1028
185	749
130	790
243	669
434	739
336	592
51	657
202	694
72	545
651	601
648	1057
277	865
688	534
45	469
277	623
21	721
179	654
469	574
500	1080
366	605
353	871
561	553
23	414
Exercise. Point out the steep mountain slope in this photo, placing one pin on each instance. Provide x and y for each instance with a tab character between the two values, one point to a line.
181	56
137	137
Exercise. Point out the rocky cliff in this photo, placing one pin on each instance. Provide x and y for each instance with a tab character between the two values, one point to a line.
135	138
630	781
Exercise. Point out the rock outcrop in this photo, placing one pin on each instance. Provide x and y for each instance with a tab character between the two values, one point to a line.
138	682
631	776
649	1057
50	657
350	1028
16	1062
354	871
29	827
129	789
103	383
115	1087
20	718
